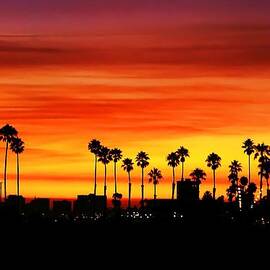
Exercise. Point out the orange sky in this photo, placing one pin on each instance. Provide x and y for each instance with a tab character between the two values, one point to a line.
140	80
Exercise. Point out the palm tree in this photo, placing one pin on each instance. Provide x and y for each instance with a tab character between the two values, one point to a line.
244	182
265	172
248	145
7	133
155	176
94	147
198	175
261	152
214	162
183	154
17	147
116	156
235	167
128	167
173	161
142	161
105	157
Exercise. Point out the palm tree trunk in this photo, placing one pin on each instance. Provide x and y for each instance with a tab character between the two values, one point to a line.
173	183
18	176
5	171
115	180
142	186
129	191
182	171
267	183
95	184
249	169
155	191
261	181
214	188
105	180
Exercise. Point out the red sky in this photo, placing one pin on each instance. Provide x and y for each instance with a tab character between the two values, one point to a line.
144	75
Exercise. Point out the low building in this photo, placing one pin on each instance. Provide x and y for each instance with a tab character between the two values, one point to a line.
62	207
188	190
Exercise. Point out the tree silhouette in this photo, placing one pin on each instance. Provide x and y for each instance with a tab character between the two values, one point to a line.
183	154
244	182
235	167
17	147
207	196
142	161
198	175
94	147
105	157
7	133
261	152
173	161
128	167
248	145
214	162
265	172
116	156
155	176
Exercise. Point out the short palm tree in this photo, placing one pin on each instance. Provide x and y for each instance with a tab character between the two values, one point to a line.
105	158
198	175
155	176
7	133
116	156
183	154
261	152
17	147
235	167
128	167
173	161
94	147
248	145
214	162
142	160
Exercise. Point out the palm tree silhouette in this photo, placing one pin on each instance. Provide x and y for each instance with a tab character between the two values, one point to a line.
7	133
265	172
17	147
248	145
214	162
94	147
235	167
198	175
128	167
116	156
173	161
155	176
105	157
142	161
261	152
183	154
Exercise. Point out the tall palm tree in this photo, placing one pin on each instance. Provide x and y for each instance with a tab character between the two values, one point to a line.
265	172
183	154
198	175
128	167
261	152
142	161
94	147
116	156
248	145
173	161
105	157
17	147
155	176
214	162
7	133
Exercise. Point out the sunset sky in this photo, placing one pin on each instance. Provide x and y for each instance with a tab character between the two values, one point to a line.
146	75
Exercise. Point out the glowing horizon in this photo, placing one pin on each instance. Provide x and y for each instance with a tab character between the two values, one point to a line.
148	76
